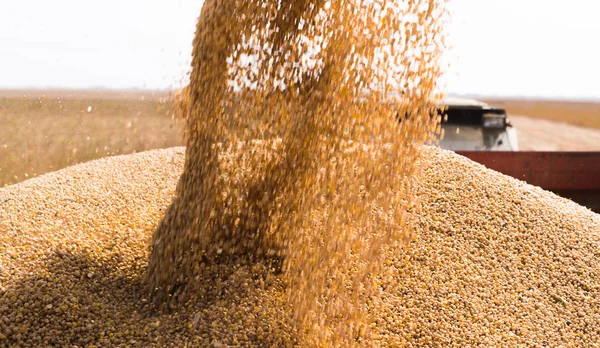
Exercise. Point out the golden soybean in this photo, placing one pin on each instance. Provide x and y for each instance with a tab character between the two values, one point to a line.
490	257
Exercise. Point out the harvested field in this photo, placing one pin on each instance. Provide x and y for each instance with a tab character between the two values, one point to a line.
543	135
578	113
86	94
494	262
40	135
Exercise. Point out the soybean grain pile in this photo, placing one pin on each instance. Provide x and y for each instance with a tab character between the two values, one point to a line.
494	261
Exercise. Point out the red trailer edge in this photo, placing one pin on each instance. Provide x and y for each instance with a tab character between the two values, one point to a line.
573	175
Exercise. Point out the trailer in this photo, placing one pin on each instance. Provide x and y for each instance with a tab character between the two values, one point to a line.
484	134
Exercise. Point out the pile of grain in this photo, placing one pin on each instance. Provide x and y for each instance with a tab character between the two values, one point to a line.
494	262
74	248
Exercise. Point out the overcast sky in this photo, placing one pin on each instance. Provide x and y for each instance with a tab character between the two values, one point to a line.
501	47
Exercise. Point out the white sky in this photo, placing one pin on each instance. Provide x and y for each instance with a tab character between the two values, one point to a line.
501	47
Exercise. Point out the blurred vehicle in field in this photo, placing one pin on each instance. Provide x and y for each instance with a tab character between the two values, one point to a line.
470	125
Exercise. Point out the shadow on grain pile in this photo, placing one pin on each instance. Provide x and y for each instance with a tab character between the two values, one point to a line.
86	300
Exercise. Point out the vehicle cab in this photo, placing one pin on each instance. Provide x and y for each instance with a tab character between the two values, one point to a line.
470	125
